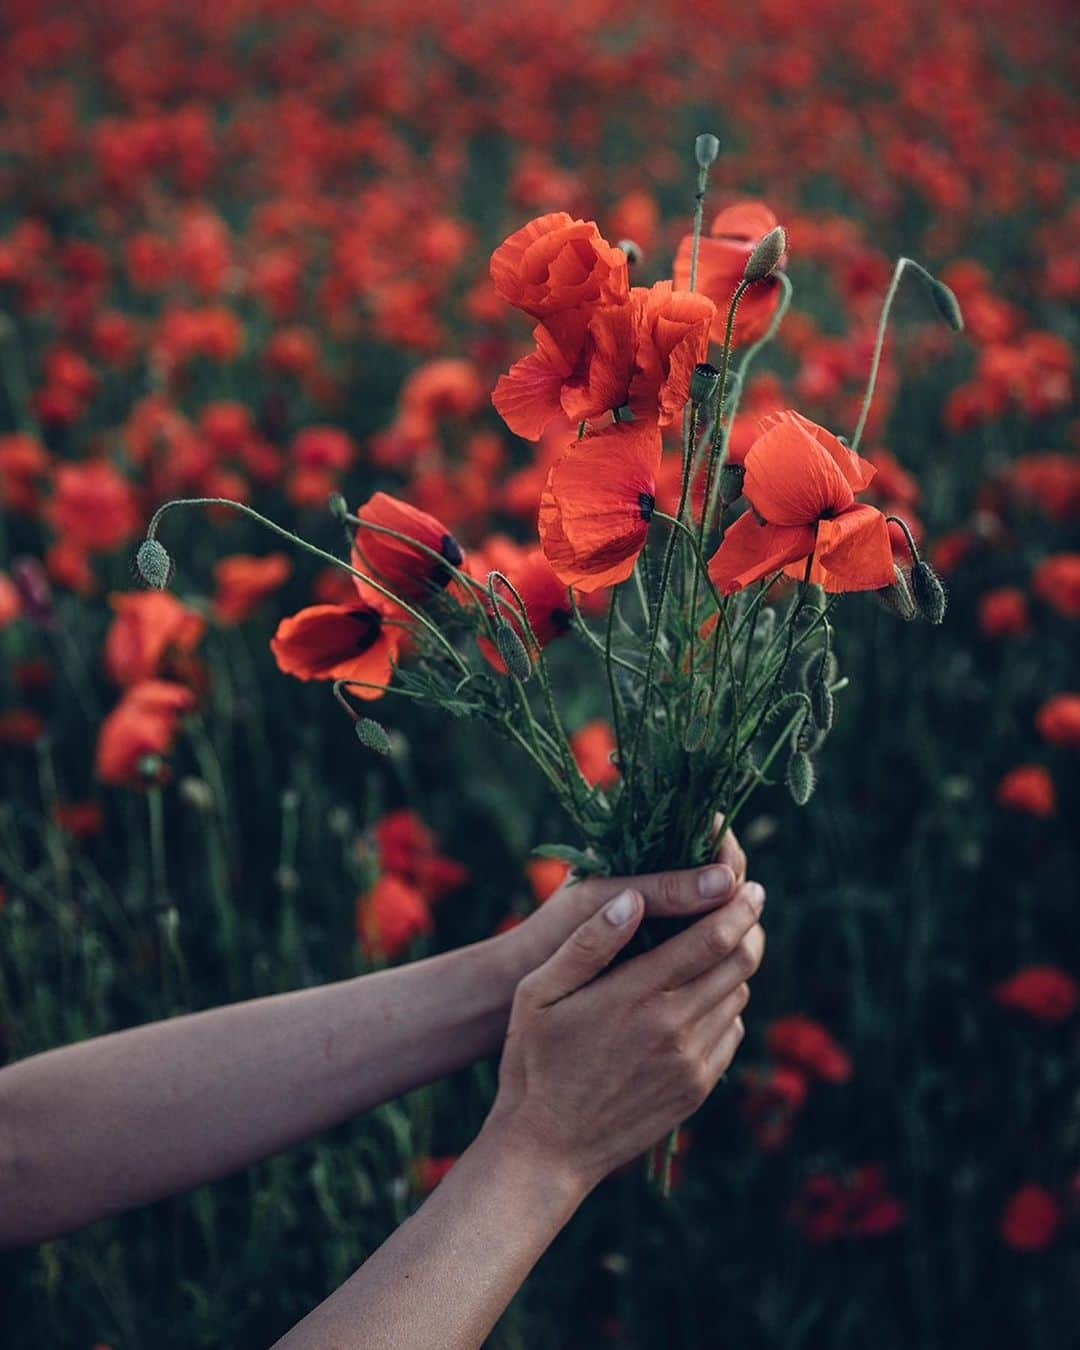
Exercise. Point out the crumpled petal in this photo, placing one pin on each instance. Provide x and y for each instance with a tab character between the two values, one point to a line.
791	479
750	551
858	471
854	550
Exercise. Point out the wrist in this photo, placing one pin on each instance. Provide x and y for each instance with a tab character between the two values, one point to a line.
560	1185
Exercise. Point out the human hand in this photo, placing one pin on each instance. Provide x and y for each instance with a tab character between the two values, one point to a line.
594	1071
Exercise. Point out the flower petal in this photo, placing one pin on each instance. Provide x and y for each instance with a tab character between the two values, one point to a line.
791	479
854	550
858	471
750	551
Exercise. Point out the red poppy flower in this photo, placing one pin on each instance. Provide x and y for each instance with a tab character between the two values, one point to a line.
1058	721
1056	581
408	849
389	916
1030	1220
806	1044
244	581
639	355
409	572
722	258
545	875
337	642
10	603
1028	789
1003	613
597	504
93	505
1043	992
556	263
801	482
148	626
772	1103
146	721
546	599
430	1171
592	746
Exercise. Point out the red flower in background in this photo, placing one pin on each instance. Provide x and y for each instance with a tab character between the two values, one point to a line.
545	597
805	1044
408	849
1043	992
148	628
722	259
410	572
145	722
801	482
1058	721
1004	613
1031	1219
592	746
93	505
390	916
1028	789
243	582
597	504
828	1208
556	263
1056	581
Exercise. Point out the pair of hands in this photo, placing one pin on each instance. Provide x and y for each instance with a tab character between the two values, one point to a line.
596	1070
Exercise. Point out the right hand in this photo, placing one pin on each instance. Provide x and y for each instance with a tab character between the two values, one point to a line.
595	1071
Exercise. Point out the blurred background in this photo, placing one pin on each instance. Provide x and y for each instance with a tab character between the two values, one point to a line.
243	253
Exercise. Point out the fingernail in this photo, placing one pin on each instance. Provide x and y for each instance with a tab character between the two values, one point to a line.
716	882
755	896
621	909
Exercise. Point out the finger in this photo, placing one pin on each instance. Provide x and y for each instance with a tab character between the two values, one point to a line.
719	1058
710	1030
699	948
716	984
585	953
728	849
693	890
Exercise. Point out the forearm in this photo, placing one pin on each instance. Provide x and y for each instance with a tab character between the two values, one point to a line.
98	1127
445	1277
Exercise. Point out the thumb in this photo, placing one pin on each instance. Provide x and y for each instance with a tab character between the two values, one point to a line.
588	949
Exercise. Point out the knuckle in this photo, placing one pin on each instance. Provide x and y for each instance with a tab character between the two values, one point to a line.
586	942
720	937
746	956
669	888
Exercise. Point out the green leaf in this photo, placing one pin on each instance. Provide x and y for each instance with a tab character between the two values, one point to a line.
589	864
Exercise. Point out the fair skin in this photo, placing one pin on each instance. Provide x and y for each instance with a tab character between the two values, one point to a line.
594	1071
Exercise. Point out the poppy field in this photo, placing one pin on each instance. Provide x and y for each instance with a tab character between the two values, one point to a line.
443	446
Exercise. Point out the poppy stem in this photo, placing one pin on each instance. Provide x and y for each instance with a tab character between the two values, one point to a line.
609	662
699	215
897	520
422	619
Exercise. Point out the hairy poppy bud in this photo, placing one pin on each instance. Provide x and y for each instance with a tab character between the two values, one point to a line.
706	149
696	730
765	258
634	253
928	591
810	738
800	777
337	506
512	650
372	735
820	668
897	598
153	564
704	381
729	483
822	705
947	305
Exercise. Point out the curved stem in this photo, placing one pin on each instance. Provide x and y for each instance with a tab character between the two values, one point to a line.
879	344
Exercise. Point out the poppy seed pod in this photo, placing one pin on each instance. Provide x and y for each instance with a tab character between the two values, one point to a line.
372	735
704	381
706	149
897	598
947	305
153	564
729	484
765	258
512	650
800	778
928	591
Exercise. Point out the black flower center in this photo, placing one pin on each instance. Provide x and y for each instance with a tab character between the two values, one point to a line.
646	504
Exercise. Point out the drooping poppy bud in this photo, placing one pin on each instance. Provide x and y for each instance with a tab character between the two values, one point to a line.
947	305
372	735
800	777
897	598
822	705
928	591
765	258
153	564
512	650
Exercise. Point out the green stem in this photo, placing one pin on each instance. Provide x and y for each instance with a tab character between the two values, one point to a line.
883	323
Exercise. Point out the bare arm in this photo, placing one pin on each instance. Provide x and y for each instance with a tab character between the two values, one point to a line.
95	1128
595	1070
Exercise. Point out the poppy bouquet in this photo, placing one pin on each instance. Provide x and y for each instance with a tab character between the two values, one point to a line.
700	571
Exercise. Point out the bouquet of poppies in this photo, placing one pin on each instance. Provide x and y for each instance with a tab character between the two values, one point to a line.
710	622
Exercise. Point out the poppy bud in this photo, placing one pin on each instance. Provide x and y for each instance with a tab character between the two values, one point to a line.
153	564
928	591
765	258
947	305
897	598
512	650
704	381
706	149
729	483
337	506
372	735
810	738
820	667
696	731
822	705
800	777
634	254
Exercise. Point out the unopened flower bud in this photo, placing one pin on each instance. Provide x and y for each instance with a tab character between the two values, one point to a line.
928	591
947	305
373	735
153	564
897	598
810	738
704	381
800	778
766	256
512	650
635	255
337	506
823	706
729	483
706	149
696	730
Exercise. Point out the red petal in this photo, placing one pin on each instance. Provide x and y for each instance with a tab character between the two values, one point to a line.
791	479
751	551
854	550
856	470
